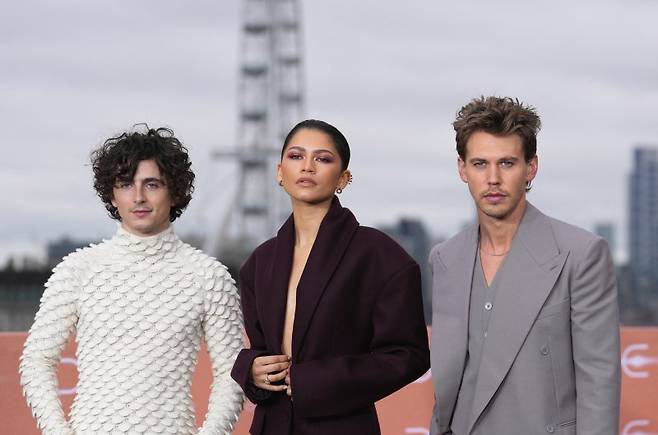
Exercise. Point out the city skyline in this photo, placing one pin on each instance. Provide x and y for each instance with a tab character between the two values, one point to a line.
391	78
643	209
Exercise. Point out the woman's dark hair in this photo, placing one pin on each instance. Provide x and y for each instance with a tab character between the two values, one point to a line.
337	138
117	160
498	116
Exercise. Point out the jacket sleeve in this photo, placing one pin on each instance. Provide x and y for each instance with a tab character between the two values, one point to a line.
435	429
398	354
443	406
54	322
242	367
595	340
222	328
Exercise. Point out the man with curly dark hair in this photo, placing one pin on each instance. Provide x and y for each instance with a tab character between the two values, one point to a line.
140	304
117	161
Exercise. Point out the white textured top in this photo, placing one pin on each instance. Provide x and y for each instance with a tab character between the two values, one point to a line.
140	307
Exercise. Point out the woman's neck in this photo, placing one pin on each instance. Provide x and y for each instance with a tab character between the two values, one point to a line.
307	218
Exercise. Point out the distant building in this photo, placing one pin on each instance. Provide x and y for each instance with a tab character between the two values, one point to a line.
606	230
412	235
22	284
20	291
59	249
643	228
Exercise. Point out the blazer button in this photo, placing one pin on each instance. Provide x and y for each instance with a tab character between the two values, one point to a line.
488	306
550	428
544	351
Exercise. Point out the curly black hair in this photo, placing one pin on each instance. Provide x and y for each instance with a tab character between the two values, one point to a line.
117	160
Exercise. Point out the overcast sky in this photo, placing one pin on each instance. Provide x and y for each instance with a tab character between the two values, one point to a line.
389	74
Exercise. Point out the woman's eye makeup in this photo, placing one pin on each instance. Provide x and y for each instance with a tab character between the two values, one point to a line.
322	158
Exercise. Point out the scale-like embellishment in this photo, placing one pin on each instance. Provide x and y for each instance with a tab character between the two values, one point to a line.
141	307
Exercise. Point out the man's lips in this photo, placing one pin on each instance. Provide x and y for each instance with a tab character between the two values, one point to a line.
494	196
141	212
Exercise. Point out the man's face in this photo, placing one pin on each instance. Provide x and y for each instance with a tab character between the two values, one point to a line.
143	202
496	173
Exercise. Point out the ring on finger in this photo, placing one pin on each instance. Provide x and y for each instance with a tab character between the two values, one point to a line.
267	378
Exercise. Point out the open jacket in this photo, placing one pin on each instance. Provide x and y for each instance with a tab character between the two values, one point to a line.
550	362
358	331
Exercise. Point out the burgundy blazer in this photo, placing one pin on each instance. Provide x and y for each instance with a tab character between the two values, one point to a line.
358	332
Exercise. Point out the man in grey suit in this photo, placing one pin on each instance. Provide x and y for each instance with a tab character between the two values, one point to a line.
525	320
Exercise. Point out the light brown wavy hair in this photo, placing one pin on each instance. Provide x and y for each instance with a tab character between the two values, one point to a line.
500	116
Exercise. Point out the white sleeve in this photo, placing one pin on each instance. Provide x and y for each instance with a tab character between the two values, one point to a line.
222	328
55	320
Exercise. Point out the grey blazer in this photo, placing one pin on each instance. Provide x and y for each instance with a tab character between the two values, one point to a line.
550	362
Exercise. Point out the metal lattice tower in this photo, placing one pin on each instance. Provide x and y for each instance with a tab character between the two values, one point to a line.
271	101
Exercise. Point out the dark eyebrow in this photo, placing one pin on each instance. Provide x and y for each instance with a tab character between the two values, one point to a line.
300	148
480	159
152	179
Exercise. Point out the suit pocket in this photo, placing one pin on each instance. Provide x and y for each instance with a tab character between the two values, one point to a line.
568	423
567	428
555	309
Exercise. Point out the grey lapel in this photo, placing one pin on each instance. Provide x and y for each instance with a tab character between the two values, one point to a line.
451	295
529	274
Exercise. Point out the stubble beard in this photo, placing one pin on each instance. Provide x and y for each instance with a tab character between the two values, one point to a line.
500	211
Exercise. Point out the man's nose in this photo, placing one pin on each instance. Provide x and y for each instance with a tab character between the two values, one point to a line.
138	196
493	175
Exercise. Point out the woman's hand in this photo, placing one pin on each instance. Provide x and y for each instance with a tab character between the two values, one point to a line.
267	370
288	385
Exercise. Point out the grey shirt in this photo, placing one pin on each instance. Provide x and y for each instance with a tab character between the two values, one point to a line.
480	310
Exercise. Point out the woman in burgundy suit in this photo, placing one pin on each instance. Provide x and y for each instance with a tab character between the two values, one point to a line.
333	310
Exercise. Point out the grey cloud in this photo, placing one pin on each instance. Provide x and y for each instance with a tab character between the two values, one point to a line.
390	74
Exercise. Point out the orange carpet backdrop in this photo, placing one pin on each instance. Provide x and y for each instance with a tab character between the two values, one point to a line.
405	412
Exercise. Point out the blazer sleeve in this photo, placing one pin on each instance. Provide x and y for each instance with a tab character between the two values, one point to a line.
241	372
398	354
595	340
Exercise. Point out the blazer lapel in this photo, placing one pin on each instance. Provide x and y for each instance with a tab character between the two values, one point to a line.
451	301
528	276
335	233
273	307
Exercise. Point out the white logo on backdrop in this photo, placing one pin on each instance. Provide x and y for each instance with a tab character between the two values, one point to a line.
635	424
68	391
632	361
417	430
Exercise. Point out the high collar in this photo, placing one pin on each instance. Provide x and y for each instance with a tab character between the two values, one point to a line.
336	217
156	246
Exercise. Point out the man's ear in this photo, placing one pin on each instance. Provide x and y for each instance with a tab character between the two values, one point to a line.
461	168
533	167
